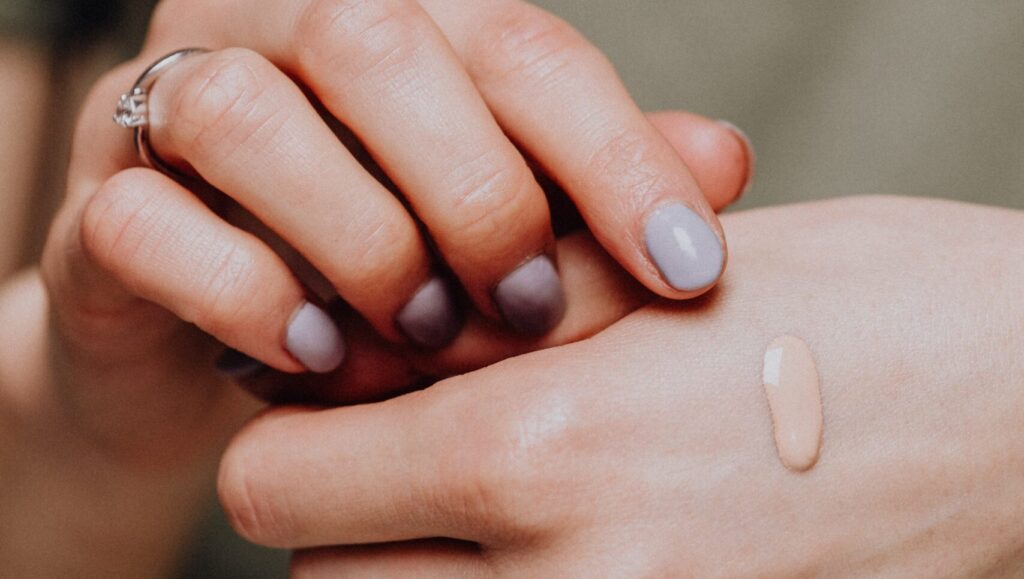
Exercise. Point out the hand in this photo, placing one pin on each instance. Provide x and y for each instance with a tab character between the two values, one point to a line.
647	450
437	93
135	258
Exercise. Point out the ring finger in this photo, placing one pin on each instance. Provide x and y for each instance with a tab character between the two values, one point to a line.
249	131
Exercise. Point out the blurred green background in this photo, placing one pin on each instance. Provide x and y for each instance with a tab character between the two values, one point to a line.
911	97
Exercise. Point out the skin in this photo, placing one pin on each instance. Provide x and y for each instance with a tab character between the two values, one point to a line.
424	87
654	436
101	388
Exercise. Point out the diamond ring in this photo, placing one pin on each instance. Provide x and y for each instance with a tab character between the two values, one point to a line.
133	108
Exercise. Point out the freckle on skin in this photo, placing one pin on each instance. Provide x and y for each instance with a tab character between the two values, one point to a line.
793	389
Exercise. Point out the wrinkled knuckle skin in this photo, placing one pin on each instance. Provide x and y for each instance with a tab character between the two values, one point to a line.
528	46
489	195
248	503
354	39
632	163
116	222
492	485
228	285
381	251
221	105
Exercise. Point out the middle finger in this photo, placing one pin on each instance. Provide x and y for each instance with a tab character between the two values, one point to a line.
384	69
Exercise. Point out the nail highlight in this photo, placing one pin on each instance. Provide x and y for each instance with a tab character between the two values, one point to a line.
532	298
314	339
684	248
431	319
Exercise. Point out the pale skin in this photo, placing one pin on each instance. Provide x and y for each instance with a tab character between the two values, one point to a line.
646	451
97	402
113	414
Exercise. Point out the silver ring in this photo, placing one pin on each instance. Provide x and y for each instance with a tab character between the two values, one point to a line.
133	108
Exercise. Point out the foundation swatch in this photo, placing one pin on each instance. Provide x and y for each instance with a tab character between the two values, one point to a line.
794	398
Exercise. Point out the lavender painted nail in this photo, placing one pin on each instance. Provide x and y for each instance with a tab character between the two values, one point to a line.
315	340
431	319
684	248
237	366
531	298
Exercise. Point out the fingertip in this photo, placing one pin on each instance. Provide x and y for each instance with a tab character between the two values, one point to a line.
314	339
686	249
720	155
532	298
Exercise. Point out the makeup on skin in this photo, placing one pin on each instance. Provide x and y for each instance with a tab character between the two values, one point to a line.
793	389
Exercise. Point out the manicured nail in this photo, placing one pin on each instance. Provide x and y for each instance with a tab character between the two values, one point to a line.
236	365
431	319
684	248
531	298
315	340
748	146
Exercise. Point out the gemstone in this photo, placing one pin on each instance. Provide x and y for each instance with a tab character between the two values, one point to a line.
131	109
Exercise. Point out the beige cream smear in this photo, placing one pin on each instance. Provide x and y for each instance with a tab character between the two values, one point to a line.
792	387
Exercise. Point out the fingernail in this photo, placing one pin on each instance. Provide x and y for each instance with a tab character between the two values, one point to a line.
531	298
236	365
315	340
431	319
684	248
748	147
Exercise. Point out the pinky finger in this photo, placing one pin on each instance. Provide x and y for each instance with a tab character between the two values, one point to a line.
165	246
420	559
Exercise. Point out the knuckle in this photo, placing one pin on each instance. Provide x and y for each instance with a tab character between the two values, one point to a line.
500	479
380	250
527	44
248	503
488	194
227	288
356	38
219	106
631	162
117	221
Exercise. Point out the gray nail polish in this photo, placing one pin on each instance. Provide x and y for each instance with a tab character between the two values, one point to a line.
431	319
684	248
236	365
531	298
315	340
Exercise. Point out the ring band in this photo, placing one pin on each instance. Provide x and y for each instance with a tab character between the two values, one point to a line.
133	109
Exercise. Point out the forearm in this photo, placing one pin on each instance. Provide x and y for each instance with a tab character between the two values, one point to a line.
70	508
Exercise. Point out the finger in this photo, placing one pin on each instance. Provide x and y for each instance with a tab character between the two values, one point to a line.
720	155
159	241
375	370
248	130
384	69
421	559
400	470
559	98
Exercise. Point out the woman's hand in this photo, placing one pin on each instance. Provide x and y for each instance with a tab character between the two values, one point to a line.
444	96
647	450
136	262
